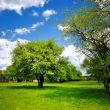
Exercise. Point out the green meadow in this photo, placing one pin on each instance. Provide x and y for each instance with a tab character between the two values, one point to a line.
81	95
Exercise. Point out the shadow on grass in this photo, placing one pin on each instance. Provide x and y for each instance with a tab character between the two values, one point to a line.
79	93
70	93
89	95
32	87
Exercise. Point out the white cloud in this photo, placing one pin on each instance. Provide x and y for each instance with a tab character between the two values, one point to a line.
6	48
36	25
22	31
61	27
34	13
3	33
18	5
48	13
75	57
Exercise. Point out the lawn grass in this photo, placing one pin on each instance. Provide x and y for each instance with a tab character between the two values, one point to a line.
82	95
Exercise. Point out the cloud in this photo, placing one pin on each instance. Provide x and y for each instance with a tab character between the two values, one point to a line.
6	48
36	25
61	27
75	57
34	13
22	31
48	13
3	33
19	5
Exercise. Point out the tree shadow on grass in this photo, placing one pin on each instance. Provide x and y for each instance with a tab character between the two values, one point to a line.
79	93
32	87
88	95
69	93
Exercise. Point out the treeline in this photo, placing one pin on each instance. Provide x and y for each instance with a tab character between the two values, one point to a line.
70	74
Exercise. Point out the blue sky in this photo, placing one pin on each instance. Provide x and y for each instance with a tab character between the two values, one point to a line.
33	20
10	19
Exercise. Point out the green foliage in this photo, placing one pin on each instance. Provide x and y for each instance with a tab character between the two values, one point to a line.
92	28
10	75
66	72
41	59
97	67
36	58
2	76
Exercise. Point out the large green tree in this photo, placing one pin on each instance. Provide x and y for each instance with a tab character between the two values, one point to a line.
38	58
92	28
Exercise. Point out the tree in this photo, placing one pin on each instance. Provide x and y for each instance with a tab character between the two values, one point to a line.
4	76
37	58
92	28
65	72
70	71
73	74
10	73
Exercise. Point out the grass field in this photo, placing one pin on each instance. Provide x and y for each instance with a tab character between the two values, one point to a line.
82	95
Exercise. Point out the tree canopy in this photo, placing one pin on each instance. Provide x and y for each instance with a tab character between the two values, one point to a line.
38	58
92	28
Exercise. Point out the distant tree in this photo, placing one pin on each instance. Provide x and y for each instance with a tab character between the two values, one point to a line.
97	67
73	74
36	58
65	72
92	28
70	70
2	78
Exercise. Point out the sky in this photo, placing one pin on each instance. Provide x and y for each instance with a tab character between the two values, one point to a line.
28	20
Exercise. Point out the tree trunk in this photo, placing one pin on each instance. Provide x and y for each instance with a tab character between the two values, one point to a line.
40	79
19	80
106	85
